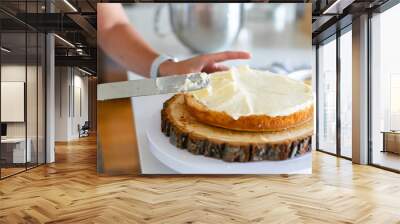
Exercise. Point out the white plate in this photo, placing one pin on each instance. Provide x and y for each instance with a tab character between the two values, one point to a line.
184	162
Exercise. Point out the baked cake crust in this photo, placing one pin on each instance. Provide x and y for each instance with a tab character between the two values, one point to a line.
246	123
186	132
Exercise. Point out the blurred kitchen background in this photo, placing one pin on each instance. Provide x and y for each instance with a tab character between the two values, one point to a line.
277	35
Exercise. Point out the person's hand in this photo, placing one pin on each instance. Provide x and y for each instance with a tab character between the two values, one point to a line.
207	63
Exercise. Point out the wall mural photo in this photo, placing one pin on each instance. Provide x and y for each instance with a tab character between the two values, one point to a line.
209	88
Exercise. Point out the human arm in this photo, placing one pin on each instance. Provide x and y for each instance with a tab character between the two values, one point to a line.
124	44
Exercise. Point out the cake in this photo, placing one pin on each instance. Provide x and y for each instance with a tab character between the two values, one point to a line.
243	115
185	131
250	100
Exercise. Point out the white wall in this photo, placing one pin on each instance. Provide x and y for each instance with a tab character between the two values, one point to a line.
12	101
62	81
12	73
33	126
71	94
79	110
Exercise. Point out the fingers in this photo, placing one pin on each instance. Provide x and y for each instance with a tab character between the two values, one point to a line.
226	55
215	68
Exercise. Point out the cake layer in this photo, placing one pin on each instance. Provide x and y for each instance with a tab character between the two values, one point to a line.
250	100
243	92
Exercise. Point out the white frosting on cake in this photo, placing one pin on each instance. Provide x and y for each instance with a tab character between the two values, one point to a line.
195	81
243	91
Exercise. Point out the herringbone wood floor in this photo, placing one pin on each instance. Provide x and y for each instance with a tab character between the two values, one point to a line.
70	191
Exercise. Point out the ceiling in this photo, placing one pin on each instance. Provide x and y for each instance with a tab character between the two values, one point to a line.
332	15
72	20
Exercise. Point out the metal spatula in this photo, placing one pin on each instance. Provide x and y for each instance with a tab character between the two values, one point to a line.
146	87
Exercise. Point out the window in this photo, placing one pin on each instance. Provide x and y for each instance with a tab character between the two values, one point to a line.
346	94
385	89
22	77
326	101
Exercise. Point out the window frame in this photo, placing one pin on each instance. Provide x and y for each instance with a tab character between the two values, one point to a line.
29	29
381	9
334	37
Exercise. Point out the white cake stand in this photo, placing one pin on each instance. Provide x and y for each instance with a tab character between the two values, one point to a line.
184	162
